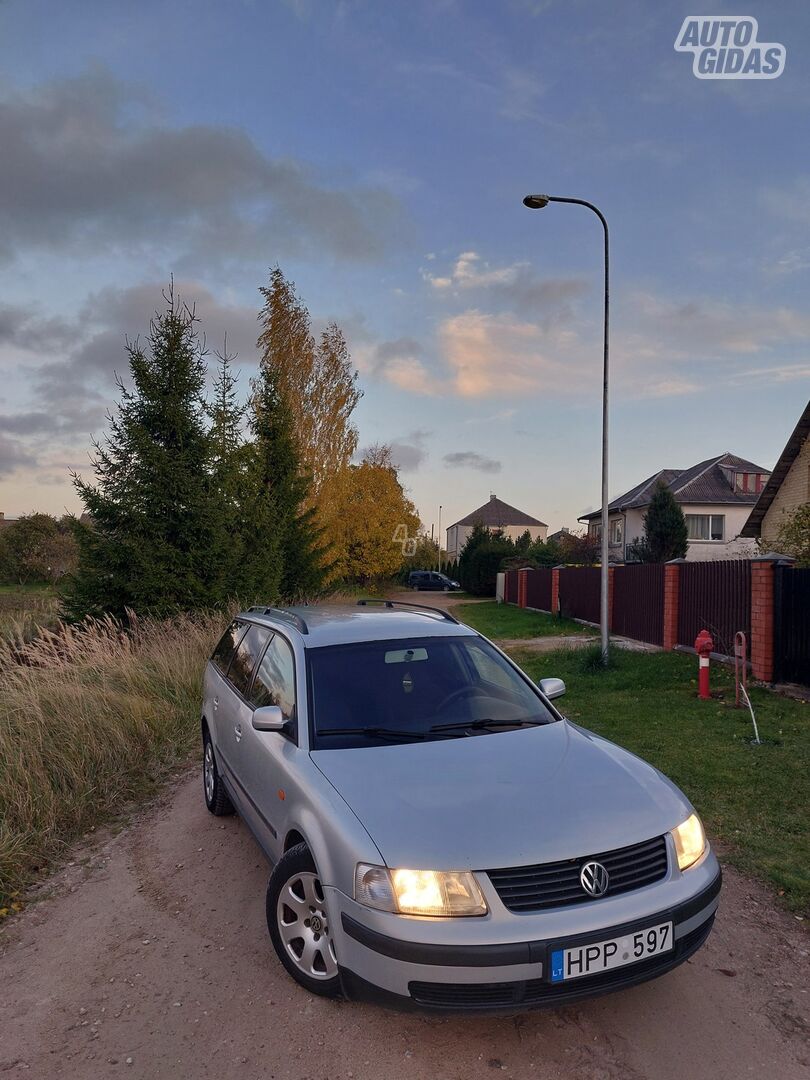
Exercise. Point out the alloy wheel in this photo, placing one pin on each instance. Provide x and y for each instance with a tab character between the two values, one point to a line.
303	923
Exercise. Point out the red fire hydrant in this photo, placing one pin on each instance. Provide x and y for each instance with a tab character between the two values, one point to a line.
703	647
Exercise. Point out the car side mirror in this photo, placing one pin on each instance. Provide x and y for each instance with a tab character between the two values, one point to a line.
552	688
268	718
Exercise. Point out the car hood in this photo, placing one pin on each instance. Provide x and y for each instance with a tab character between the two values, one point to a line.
508	799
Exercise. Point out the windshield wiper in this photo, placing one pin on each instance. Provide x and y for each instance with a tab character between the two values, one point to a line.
374	732
486	722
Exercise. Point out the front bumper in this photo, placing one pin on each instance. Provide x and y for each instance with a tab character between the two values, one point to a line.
492	975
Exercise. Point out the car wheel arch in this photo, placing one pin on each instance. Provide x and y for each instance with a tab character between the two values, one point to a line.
292	839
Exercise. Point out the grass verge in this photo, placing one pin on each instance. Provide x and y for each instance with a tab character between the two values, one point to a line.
92	719
753	799
506	621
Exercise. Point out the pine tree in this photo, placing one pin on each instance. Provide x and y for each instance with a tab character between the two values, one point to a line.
284	549
477	538
228	474
148	544
665	530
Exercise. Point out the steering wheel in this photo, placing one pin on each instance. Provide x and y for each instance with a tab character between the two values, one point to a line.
457	695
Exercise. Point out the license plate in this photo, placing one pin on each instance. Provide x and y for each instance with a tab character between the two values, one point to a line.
613	953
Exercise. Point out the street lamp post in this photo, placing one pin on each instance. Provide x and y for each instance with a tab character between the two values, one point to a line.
440	537
537	202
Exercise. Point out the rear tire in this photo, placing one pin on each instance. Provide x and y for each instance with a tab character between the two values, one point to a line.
216	798
299	924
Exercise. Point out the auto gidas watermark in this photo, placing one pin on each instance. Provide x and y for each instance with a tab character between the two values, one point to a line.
727	47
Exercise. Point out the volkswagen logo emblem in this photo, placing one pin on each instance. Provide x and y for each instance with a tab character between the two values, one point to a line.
594	878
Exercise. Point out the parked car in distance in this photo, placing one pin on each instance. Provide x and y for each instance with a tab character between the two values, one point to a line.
431	579
441	836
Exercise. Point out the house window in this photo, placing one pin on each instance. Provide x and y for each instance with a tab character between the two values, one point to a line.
616	531
705	526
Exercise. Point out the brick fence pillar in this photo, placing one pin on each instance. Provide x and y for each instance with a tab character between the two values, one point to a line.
672	574
762	613
523	582
555	589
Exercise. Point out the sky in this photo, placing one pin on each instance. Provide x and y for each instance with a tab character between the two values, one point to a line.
379	152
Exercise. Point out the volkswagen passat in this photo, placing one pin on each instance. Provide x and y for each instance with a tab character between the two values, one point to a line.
441	836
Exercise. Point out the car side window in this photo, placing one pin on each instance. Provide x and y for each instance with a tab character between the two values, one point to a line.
244	661
227	645
275	679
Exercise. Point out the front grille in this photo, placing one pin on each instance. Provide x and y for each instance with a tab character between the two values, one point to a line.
550	885
483	996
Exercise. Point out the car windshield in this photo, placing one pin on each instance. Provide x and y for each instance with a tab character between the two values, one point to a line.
373	693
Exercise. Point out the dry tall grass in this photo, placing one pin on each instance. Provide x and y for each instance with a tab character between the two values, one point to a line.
90	716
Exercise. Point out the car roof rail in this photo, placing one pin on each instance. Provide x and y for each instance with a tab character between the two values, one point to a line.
419	609
281	613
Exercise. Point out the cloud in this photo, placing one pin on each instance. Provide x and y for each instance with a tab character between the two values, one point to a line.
469	459
515	284
26	328
790	263
698	329
89	166
493	418
13	456
409	452
77	390
660	347
398	361
70	395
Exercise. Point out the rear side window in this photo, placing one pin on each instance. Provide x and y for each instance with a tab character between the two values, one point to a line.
223	653
249	651
275	680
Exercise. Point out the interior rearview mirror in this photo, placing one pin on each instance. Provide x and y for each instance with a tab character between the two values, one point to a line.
268	718
552	688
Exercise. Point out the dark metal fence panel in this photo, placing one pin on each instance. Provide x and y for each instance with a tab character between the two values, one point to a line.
538	589
792	625
579	592
714	596
510	587
638	602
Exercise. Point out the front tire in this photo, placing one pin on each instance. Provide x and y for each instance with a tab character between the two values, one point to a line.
216	798
299	923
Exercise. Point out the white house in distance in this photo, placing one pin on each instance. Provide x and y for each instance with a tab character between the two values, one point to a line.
715	495
494	514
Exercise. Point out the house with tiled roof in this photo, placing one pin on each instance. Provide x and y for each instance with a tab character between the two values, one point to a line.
716	496
494	515
787	489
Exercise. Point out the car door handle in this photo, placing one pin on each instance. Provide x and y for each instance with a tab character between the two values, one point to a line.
238	732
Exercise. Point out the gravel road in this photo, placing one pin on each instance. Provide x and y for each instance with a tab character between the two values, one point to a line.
149	958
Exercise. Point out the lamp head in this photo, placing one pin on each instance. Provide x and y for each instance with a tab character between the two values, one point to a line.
536	202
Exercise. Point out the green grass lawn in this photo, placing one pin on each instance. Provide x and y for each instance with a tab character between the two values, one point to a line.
507	621
754	800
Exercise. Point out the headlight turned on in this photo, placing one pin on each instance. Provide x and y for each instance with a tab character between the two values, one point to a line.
437	893
690	841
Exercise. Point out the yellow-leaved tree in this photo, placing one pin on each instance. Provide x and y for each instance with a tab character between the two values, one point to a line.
373	517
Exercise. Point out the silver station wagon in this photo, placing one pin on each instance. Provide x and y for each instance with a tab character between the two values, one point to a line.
441	836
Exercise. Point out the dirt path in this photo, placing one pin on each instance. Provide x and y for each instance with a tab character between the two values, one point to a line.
152	960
